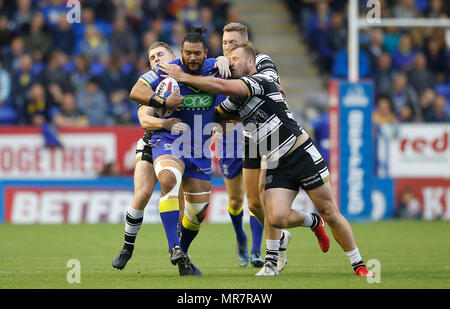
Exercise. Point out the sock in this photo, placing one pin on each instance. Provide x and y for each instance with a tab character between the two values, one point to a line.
257	231
282	238
312	220
169	211
189	231
133	222
272	251
355	258
236	218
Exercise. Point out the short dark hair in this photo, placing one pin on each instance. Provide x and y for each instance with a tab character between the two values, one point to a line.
195	36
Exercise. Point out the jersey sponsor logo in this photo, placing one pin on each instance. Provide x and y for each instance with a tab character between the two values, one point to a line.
197	100
150	77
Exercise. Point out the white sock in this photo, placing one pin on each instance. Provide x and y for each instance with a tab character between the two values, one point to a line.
272	247
354	256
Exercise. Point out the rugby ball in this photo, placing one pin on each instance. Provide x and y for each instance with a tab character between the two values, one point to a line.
164	89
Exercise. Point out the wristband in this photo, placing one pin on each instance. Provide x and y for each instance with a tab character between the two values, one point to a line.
157	101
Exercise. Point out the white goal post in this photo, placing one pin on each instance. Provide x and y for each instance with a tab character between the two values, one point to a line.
355	23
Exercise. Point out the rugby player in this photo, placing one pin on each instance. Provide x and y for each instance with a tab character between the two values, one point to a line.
250	175
144	173
187	166
293	161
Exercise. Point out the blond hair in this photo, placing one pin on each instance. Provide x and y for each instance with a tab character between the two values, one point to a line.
237	27
160	44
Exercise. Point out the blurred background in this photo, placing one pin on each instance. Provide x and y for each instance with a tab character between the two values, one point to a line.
68	127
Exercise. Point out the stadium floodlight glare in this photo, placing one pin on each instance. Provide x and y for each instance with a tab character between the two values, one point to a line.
355	23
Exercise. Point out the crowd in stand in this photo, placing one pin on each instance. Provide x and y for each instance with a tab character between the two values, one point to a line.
410	67
76	74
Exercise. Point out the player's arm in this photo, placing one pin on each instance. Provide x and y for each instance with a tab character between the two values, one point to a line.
143	93
152	123
232	87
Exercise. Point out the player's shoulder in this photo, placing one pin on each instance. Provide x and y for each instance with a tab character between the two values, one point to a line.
258	77
208	67
262	57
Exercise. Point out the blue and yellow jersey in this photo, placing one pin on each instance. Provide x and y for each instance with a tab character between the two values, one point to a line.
198	106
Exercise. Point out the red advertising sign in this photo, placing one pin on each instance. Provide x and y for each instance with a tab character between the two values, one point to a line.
85	152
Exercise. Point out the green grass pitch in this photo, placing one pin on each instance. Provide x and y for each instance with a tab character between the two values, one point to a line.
412	254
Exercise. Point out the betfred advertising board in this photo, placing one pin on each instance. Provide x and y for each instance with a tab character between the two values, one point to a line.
100	200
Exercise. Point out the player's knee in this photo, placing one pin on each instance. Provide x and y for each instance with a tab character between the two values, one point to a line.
196	212
235	202
167	180
329	212
254	205
277	221
141	197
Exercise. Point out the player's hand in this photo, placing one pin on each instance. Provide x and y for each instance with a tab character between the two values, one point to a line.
217	134
281	90
174	125
223	65
175	100
172	70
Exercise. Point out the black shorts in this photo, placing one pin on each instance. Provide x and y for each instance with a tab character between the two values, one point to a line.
144	152
303	168
251	159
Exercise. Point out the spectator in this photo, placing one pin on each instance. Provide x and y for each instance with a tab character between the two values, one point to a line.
206	20
190	14
53	11
22	16
8	115
436	9
148	38
437	60
426	100
439	110
403	95
13	53
121	107
93	103
406	114
63	37
94	45
5	34
54	72
404	55
383	74
81	75
179	32
37	106
5	85
113	78
391	39
214	45
383	113
68	114
318	23
375	48
122	39
21	82
406	9
333	40
419	77
37	40
409	206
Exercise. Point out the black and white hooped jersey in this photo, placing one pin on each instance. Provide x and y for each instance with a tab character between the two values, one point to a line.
265	65
266	116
